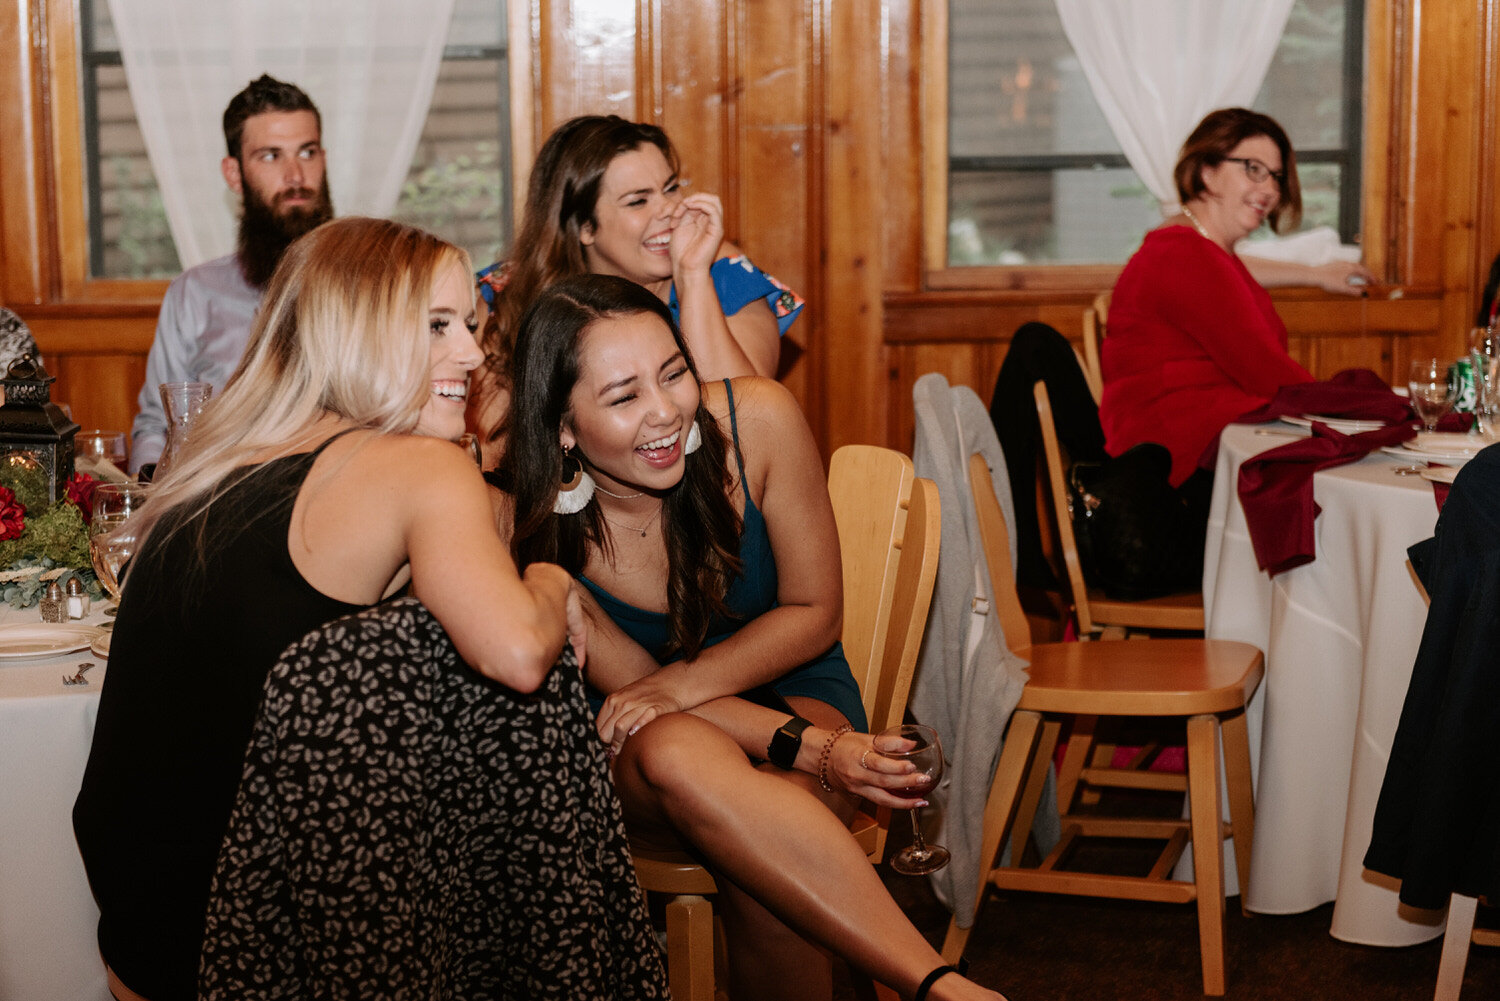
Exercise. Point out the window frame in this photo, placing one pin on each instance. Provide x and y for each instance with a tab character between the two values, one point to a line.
1363	104
61	156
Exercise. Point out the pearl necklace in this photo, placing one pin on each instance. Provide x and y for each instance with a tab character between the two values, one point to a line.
1197	225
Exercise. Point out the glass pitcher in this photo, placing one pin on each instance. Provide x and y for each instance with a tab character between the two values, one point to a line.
182	402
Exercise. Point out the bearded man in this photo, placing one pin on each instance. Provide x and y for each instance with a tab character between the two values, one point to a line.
276	165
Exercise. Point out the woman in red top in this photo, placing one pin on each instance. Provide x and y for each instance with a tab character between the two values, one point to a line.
1194	340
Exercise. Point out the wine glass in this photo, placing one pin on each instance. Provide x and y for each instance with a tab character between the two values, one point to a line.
111	538
101	454
1431	396
919	745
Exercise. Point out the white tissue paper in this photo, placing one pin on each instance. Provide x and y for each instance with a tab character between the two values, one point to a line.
1311	247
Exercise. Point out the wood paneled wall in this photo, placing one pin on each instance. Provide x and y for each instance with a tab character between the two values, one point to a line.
806	117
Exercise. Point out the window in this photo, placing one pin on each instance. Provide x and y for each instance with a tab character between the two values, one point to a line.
1035	176
456	187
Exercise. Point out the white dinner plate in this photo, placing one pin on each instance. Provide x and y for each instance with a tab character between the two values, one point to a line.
1342	425
1416	455
23	642
100	646
1458	443
1439	474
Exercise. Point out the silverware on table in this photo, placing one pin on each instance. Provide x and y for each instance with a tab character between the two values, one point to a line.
78	679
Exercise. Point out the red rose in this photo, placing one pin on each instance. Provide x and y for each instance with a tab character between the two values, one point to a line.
12	515
80	489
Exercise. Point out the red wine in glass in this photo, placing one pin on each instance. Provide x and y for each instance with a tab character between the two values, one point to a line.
920	746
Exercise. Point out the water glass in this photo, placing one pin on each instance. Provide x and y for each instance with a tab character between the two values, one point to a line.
1431	396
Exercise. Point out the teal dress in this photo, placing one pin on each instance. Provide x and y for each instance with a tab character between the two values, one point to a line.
753	592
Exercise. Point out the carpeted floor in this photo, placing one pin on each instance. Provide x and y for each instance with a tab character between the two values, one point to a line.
1038	947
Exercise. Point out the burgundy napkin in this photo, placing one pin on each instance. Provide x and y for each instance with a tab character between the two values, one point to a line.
1276	489
1355	394
1455	422
1440	493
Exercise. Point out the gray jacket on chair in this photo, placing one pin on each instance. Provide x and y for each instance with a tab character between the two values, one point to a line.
967	682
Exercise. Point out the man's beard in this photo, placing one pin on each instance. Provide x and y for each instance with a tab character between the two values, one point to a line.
266	231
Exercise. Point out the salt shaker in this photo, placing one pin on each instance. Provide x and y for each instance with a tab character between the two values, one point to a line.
78	599
54	605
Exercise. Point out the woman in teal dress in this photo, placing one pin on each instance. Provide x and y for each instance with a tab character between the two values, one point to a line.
605	197
697	518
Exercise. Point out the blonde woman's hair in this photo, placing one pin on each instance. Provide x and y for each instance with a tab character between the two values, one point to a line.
342	330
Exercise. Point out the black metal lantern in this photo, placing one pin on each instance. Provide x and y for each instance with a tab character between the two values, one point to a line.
33	428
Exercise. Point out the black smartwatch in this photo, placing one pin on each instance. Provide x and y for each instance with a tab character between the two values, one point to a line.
786	742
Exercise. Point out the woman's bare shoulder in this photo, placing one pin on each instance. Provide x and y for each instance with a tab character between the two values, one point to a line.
409	464
757	398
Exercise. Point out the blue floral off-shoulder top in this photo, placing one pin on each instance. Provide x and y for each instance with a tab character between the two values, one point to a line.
737	282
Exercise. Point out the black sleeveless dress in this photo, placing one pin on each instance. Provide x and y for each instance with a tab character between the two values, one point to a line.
206	611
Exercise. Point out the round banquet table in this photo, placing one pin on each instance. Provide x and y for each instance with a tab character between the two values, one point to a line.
1340	635
48	919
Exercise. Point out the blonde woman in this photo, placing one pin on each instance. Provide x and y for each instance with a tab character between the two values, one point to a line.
322	481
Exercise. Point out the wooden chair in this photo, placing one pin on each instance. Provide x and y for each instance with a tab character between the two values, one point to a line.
1205	682
1096	611
1457	936
889	526
1103	617
1095	320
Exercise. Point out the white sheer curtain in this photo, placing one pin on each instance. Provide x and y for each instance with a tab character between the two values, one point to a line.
1156	67
369	65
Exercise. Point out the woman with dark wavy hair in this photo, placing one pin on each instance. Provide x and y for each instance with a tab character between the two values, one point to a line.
605	197
697	519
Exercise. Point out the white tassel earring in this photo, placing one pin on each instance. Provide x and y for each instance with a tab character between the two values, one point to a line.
577	486
694	440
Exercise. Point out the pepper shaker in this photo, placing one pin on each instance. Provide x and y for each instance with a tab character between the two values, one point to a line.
54	605
78	599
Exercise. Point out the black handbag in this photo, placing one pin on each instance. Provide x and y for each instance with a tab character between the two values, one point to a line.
1133	529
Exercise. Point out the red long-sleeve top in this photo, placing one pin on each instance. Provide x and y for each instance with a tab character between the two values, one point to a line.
1193	342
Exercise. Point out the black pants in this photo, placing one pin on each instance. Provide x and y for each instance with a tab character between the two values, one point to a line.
1151	543
1039	353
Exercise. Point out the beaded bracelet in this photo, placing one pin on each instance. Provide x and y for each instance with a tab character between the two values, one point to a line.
827	750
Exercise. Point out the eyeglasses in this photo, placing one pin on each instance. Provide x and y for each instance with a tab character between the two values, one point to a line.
1257	171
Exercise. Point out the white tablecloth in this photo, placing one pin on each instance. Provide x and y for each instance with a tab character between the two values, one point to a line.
1340	635
48	920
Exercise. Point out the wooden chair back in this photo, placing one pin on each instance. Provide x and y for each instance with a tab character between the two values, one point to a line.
870	489
994	537
1057	465
1096	611
890	524
1095	326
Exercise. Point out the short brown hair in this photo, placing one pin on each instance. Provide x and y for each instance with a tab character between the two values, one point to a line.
1216	137
260	96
